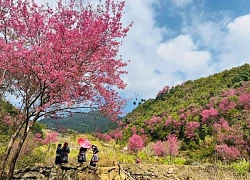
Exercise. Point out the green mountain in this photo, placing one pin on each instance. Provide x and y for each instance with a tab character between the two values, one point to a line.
81	122
205	114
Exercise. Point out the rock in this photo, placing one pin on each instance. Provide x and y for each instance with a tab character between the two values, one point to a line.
170	171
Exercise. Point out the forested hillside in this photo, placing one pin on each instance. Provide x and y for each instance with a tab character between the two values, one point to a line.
81	122
209	116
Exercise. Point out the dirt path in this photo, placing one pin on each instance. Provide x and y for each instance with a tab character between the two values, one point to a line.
169	172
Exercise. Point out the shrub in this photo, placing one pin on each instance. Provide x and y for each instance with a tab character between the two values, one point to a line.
226	152
159	148
242	167
135	143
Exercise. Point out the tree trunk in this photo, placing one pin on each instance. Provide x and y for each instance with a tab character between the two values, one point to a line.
9	149
15	156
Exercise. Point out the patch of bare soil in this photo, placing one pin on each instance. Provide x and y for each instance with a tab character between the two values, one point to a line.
169	172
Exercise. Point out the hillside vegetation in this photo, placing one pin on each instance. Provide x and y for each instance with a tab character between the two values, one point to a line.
210	117
201	121
81	122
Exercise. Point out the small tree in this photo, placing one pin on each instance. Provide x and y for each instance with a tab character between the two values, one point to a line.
172	145
160	148
135	143
50	138
227	153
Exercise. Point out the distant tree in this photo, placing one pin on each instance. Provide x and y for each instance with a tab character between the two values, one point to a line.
208	115
172	145
227	153
160	148
59	59
107	137
245	100
135	143
134	129
226	104
49	138
151	123
164	90
117	134
190	129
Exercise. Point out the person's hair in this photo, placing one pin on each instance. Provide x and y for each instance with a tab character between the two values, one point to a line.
60	145
83	149
66	144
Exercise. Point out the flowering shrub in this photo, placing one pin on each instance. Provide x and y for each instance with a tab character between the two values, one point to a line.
190	129
172	145
208	114
163	91
227	153
226	104
159	148
135	143
152	122
245	100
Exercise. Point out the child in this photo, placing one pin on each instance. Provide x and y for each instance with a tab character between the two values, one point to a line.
58	154
94	158
82	155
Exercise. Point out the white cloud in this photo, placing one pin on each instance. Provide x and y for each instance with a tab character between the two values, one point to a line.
181	54
235	47
156	62
181	3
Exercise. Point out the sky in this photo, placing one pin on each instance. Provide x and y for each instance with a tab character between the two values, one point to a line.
172	41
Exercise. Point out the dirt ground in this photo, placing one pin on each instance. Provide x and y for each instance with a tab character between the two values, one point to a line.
168	172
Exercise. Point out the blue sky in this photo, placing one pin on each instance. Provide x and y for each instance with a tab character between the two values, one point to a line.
172	41
177	40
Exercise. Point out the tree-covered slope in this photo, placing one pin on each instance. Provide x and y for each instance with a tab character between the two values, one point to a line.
81	122
209	114
197	93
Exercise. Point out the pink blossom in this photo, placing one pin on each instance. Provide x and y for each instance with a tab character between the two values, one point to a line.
163	91
133	129
208	114
226	104
135	143
50	138
245	100
153	122
190	129
172	145
229	153
159	148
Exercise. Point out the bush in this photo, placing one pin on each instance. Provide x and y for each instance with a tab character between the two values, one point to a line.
242	167
36	156
179	161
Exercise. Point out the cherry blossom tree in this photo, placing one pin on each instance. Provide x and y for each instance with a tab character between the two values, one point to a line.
245	100
226	104
160	148
172	145
208	115
190	129
227	153
57	59
50	138
151	123
135	143
164	90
